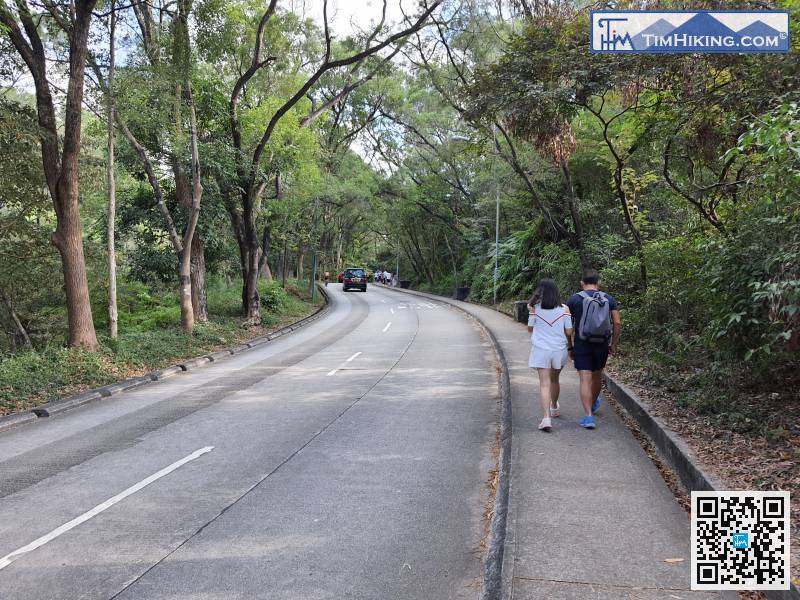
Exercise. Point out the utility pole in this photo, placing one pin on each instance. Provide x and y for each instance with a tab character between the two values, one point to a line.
496	242
496	230
314	254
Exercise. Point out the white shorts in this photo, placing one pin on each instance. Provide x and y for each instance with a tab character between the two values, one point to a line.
548	359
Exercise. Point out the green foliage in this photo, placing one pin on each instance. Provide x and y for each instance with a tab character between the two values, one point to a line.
43	375
273	297
150	338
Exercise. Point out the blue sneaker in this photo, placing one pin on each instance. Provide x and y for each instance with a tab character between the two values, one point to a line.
597	402
588	423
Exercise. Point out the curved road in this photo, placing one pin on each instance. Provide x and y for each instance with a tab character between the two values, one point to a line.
347	460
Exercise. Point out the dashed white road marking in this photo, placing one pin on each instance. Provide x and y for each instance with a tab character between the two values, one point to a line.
385	329
355	356
402	306
9	558
391	309
332	372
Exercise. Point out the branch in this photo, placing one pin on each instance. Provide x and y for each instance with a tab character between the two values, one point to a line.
326	66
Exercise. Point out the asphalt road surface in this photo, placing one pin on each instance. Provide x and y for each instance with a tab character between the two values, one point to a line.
347	460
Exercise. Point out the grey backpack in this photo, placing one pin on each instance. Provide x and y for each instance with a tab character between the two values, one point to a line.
595	325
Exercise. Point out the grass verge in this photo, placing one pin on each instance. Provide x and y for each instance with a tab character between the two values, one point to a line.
744	432
150	338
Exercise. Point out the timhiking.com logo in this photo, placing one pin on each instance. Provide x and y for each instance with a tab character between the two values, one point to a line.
690	31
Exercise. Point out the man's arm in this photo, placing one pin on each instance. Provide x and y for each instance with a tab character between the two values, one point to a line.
616	324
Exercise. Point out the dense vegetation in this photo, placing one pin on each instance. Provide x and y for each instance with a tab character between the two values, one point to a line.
203	148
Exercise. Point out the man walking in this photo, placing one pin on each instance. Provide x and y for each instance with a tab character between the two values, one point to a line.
597	326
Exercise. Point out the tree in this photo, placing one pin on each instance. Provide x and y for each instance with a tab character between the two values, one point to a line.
251	181
60	157
188	187
112	186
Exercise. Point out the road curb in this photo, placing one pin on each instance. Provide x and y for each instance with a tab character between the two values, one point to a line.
678	456
668	443
670	446
63	404
15	419
492	587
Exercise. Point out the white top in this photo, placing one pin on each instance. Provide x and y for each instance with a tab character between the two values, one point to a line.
549	326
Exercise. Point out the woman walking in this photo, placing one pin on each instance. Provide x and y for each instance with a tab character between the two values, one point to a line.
551	326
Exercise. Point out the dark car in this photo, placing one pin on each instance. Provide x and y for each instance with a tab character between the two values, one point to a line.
354	279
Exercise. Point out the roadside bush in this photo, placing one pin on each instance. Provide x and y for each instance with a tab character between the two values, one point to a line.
621	278
754	285
44	374
273	298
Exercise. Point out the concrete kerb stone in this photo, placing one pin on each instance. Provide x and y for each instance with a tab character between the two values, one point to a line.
671	447
217	356
678	456
60	405
492	587
188	365
15	419
127	384
56	406
164	373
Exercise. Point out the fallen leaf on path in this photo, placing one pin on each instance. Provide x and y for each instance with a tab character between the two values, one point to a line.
673	560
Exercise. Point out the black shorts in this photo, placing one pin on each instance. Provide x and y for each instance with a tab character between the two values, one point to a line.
589	357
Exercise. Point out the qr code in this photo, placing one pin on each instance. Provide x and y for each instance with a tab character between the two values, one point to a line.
740	540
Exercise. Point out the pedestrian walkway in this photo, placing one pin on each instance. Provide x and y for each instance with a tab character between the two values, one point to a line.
590	517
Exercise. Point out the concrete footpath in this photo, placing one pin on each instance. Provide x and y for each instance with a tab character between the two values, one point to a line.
589	515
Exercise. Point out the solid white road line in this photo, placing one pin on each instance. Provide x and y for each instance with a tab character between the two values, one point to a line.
9	558
389	324
355	356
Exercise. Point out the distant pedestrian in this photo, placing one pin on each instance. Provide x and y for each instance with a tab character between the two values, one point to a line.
550	324
387	278
597	330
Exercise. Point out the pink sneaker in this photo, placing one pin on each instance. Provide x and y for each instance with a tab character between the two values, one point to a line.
546	425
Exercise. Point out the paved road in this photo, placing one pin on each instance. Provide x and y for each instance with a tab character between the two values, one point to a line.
590	517
349	460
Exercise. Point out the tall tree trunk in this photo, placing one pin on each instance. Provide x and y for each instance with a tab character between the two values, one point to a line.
199	295
266	247
60	165
301	258
250	296
15	318
185	279
68	240
266	272
285	265
183	193
183	57
112	187
574	211
635	233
